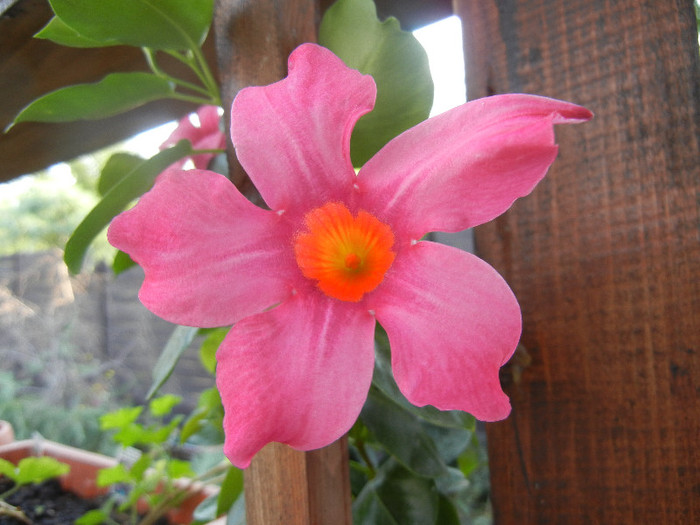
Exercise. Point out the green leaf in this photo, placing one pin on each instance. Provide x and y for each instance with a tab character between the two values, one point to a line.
179	340
93	517
138	469
116	200
114	94
163	405
396	60
7	468
209	410
111	475
231	489
178	468
206	510
447	513
38	469
122	262
207	352
397	496
158	24
401	435
59	33
120	418
115	169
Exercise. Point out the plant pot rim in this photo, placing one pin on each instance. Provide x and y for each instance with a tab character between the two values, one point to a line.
81	479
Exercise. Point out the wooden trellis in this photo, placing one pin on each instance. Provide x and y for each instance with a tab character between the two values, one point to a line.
604	257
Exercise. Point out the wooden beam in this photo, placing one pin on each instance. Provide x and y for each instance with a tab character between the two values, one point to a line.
605	260
31	67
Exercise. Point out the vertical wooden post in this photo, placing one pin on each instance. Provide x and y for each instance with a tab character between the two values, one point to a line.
282	486
605	260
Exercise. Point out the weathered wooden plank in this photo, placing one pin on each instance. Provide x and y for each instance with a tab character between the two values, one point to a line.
31	67
605	259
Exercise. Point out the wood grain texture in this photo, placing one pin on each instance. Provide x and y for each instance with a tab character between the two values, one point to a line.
254	38
287	487
30	68
604	257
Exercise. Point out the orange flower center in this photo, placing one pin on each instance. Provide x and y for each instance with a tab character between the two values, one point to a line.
347	256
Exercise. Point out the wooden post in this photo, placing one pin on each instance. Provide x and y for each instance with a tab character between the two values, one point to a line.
605	260
282	486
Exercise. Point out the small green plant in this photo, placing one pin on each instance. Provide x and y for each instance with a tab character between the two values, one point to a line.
156	476
27	471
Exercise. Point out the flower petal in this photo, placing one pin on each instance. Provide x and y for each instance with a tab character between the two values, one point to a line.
206	135
297	374
466	166
293	137
452	322
210	257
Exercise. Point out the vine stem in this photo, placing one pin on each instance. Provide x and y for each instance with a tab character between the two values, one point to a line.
10	510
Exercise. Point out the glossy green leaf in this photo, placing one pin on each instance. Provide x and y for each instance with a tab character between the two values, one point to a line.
114	94
115	169
116	200
59	33
158	24
370	510
401	434
179	340
447	513
231	489
122	262
450	442
397	496
396	60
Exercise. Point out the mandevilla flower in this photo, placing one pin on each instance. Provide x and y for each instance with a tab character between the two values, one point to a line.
203	134
304	282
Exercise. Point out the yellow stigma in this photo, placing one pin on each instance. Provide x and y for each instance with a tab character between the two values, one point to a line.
347	256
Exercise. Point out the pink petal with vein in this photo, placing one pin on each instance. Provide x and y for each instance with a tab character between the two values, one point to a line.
297	374
452	321
466	166
210	257
293	137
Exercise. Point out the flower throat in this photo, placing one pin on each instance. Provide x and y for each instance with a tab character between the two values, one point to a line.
347	256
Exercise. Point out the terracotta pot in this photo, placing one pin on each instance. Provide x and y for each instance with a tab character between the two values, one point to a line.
84	467
7	434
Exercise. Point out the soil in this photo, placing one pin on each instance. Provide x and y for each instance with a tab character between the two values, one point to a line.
48	503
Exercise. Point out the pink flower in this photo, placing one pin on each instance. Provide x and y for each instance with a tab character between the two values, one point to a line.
204	134
304	282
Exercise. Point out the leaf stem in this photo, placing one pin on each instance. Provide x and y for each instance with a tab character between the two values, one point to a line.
158	71
365	457
14	512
